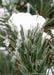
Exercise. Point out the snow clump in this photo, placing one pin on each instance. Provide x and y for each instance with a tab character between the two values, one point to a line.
27	20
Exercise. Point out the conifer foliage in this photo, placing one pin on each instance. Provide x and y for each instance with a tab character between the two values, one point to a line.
33	56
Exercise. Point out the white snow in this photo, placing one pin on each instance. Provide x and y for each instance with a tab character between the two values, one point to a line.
45	35
6	42
52	4
3	12
3	49
49	72
52	31
5	2
27	20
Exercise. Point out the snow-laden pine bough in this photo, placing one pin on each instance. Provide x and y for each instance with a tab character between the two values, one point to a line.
27	21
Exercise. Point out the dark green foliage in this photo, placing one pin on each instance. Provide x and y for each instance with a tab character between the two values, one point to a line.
32	54
42	6
7	67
